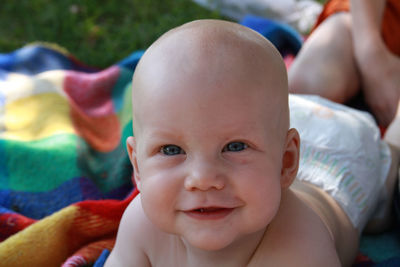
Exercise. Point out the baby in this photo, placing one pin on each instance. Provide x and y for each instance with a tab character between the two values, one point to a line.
215	161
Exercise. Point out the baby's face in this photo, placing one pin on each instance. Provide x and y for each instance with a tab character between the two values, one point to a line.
208	151
209	164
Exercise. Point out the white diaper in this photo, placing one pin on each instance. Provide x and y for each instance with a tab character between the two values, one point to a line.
341	152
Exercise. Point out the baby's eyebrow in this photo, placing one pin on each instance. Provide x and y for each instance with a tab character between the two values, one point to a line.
162	134
242	130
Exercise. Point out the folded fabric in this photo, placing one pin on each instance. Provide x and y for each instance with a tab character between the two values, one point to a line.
300	14
63	127
285	38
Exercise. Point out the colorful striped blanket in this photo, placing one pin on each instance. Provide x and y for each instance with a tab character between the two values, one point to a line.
64	171
65	177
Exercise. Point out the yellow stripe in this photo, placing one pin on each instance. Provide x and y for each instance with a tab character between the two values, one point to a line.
44	243
36	117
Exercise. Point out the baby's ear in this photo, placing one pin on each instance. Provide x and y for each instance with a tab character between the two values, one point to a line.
290	160
131	147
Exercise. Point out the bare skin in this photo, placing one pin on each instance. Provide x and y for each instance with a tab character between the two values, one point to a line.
217	183
346	53
296	231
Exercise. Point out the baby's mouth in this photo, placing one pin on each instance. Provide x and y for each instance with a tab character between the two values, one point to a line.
211	209
209	213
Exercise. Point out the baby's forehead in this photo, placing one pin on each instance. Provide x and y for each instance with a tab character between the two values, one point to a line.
212	40
218	56
210	48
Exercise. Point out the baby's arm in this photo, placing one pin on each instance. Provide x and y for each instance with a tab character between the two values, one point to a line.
131	238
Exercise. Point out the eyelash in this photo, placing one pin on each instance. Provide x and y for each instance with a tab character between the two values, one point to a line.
234	149
173	150
165	148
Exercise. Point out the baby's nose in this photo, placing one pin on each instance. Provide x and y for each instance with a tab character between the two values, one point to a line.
204	175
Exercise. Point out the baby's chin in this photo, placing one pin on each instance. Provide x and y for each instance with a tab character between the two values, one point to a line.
214	242
208	244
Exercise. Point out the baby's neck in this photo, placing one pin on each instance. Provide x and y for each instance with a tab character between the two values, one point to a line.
239	253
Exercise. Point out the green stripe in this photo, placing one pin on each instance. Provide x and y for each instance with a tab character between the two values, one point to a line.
107	170
41	165
125	114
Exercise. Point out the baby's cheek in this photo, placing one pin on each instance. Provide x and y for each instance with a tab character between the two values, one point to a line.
158	194
153	206
154	190
240	158
242	161
264	202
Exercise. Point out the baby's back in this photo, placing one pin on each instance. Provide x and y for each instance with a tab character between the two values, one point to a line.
341	231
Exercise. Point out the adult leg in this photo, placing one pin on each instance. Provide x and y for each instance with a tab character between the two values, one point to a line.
326	65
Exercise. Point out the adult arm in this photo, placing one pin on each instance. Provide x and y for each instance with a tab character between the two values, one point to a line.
379	68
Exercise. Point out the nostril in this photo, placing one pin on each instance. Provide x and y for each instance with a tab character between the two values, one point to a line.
204	182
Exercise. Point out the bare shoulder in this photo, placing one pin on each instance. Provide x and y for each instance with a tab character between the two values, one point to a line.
140	243
133	233
296	237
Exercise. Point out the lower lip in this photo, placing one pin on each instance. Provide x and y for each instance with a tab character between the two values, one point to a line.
209	215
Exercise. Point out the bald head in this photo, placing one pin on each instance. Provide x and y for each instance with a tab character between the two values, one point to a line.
213	55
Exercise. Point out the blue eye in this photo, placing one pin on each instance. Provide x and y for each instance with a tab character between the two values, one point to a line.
235	147
172	150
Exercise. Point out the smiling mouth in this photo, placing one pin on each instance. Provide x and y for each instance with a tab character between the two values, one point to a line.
209	213
212	209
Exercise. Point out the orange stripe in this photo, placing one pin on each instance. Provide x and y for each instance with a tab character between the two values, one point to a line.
102	133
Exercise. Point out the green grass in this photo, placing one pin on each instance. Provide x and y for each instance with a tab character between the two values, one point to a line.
99	33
